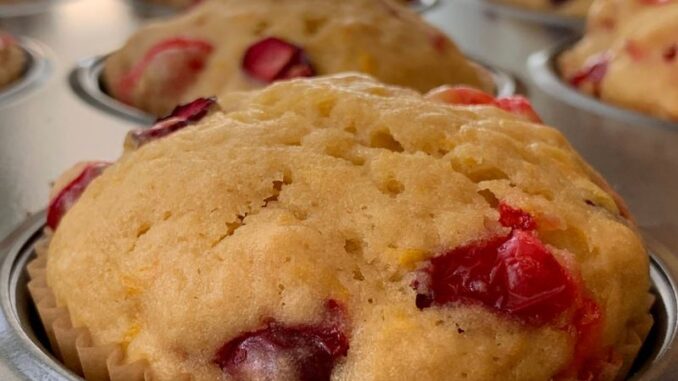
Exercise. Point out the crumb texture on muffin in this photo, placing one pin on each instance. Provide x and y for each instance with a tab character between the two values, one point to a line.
12	59
629	56
237	234
201	52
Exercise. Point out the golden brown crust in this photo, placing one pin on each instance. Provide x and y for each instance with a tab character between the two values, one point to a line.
336	188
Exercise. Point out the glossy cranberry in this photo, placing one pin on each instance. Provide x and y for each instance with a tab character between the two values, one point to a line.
511	217
181	117
279	352
656	2
464	95
670	53
514	275
6	40
593	73
518	105
63	201
461	95
273	59
176	61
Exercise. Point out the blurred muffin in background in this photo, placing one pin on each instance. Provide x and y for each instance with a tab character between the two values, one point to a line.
628	56
563	7
12	59
225	45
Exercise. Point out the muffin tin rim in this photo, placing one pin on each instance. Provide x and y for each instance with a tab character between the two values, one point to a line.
421	6
37	70
543	70
33	360
535	16
86	81
28	8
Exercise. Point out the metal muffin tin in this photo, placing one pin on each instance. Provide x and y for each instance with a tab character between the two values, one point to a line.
25	349
537	16
52	124
544	71
27	7
87	82
37	70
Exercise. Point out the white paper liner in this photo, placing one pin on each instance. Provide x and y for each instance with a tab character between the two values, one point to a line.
73	345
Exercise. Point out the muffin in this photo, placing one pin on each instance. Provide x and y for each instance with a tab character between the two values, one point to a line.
12	60
336	228
628	56
239	45
574	8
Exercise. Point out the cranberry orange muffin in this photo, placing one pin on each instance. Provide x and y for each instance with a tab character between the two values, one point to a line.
239	45
12	59
576	8
339	229
628	56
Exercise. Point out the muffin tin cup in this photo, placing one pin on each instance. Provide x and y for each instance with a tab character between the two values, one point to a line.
149	9
36	71
25	346
543	68
86	80
533	16
27	8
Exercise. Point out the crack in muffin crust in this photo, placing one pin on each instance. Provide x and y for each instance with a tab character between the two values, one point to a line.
341	188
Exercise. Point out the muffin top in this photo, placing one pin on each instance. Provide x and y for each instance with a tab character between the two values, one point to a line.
12	59
337	228
628	56
237	45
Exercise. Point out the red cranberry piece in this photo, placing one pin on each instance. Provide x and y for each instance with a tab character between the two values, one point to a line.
670	53
63	201
515	218
182	59
461	95
279	352
274	59
593	72
514	275
464	95
6	40
656	2
518	105
180	117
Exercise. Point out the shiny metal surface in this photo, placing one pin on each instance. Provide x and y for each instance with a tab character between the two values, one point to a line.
23	353
49	127
87	82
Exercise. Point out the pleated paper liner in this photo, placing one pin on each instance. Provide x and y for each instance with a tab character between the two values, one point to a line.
73	346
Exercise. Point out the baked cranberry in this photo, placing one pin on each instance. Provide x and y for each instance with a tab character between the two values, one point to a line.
670	53
180	117
635	50
593	72
174	64
656	2
515	275
279	352
63	201
464	95
273	59
6	40
518	105
461	95
511	217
